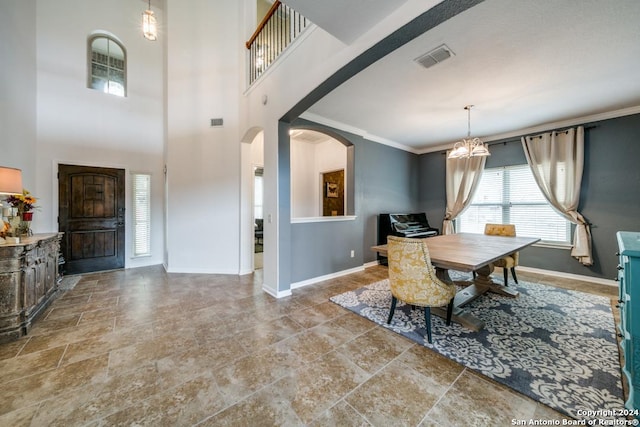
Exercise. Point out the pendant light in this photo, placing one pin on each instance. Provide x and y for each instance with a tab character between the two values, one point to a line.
469	147
149	25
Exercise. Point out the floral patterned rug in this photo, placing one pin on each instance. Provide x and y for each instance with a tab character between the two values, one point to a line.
556	346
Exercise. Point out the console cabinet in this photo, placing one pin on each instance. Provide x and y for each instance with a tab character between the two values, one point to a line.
28	282
629	303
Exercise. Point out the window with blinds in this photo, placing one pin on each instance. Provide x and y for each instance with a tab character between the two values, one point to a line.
510	195
141	214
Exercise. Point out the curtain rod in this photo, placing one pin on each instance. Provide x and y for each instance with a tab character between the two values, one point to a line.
518	138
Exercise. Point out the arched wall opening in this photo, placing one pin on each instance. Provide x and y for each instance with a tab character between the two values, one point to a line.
322	173
252	201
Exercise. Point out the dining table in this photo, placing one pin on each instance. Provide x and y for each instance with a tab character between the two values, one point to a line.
469	252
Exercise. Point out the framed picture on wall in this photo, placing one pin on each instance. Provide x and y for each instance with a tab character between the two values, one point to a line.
332	189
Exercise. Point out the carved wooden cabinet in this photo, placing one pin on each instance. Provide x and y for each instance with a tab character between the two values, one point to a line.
629	283
28	282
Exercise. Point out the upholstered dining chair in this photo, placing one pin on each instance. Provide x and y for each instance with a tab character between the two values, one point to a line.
509	262
412	279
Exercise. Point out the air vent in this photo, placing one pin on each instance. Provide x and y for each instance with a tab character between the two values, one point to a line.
216	122
434	57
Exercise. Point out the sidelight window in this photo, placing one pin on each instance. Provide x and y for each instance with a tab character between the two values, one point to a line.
141	214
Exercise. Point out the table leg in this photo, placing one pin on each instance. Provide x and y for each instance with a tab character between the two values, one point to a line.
463	297
483	278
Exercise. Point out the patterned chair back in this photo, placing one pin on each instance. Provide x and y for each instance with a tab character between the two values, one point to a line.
507	230
412	277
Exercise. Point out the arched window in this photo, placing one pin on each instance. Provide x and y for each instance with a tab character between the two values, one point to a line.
107	65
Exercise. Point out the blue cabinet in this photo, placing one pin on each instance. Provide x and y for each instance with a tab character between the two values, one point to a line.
629	299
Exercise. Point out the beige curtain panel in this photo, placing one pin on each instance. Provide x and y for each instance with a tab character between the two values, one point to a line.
557	160
462	178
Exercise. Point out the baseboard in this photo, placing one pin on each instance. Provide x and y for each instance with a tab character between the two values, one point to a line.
371	264
580	277
276	294
326	277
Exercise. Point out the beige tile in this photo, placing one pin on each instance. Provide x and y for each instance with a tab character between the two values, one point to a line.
35	388
184	405
143	352
435	367
248	374
352	322
269	407
67	336
11	349
396	396
340	415
30	364
143	346
319	386
104	343
193	362
264	334
54	323
375	348
484	402
97	400
19	418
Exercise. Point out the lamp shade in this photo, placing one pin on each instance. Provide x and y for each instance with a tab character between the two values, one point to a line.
10	180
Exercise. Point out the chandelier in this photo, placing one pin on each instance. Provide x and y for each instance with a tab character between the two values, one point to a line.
469	147
149	26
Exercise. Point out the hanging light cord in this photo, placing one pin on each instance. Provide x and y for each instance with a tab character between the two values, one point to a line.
468	108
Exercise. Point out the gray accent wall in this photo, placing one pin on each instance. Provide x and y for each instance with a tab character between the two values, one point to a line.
386	180
609	199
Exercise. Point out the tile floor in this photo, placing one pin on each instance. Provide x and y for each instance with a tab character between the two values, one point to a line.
145	348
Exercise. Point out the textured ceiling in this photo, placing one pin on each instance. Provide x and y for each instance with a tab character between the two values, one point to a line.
521	64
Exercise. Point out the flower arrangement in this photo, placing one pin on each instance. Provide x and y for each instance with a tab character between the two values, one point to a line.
25	202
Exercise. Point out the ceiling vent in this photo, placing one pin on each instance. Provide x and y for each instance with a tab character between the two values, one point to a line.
434	57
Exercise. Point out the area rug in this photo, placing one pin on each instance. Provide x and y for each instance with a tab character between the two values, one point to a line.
554	345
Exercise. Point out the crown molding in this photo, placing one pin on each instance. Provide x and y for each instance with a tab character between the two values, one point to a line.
565	123
357	131
443	147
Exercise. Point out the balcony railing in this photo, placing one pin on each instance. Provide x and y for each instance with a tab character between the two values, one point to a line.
276	31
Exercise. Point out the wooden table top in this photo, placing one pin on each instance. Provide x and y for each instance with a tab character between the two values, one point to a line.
468	251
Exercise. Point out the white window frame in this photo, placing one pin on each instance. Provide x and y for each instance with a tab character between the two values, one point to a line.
505	206
141	214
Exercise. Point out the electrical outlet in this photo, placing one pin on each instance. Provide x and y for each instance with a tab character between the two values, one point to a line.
353	253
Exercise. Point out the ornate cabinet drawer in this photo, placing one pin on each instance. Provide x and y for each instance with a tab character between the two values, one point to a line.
28	282
629	299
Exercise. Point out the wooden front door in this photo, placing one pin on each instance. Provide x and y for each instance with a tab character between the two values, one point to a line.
91	215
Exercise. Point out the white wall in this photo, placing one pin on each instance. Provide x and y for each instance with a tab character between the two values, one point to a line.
18	89
77	125
308	162
203	82
304	180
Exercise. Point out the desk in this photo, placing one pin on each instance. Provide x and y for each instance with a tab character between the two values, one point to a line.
469	252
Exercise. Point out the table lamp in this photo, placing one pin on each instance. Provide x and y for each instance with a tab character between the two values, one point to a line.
10	183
